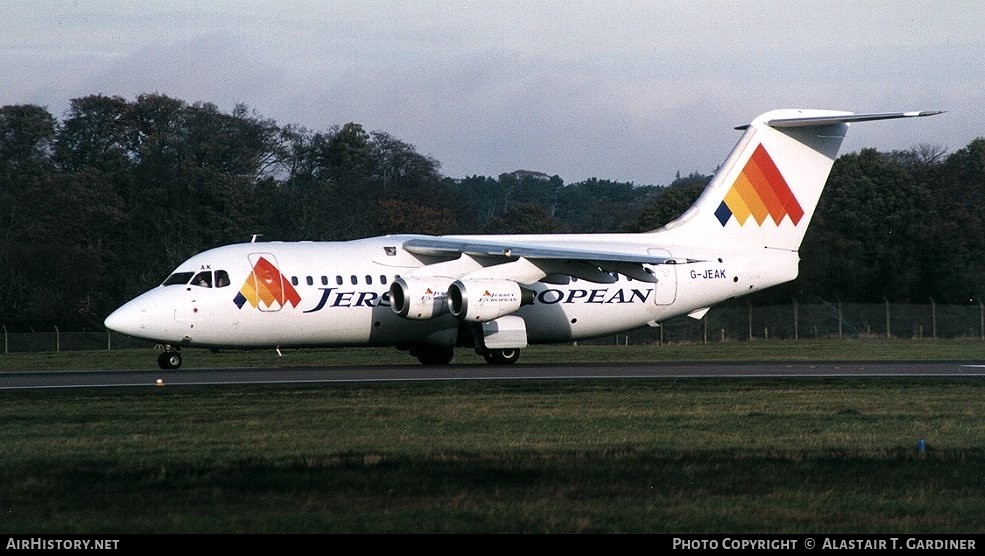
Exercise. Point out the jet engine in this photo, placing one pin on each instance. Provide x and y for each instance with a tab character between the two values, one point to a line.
486	300
419	298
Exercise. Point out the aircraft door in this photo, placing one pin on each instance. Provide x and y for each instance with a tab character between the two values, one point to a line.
665	290
186	312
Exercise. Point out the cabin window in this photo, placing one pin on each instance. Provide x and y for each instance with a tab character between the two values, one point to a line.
221	278
383	278
310	281
369	280
178	278
354	280
294	280
338	280
324	280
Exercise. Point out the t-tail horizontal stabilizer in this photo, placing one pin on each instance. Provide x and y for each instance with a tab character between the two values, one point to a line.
765	192
852	118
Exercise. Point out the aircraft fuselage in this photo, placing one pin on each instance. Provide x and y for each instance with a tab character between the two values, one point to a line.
342	298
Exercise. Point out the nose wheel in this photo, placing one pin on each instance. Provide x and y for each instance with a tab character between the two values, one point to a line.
169	360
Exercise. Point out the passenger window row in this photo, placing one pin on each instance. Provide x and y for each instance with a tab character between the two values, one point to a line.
354	280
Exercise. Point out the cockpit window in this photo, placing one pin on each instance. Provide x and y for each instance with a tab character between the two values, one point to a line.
203	279
178	278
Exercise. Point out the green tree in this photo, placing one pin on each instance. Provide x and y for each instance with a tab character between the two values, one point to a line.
65	254
414	197
525	218
287	201
27	134
956	256
670	203
400	217
98	133
863	243
346	161
478	198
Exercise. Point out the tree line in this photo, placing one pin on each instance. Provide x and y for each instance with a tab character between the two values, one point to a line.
102	203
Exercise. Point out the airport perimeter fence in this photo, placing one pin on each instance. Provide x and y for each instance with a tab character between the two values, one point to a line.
725	323
737	322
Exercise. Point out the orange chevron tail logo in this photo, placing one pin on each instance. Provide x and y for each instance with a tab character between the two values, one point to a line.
268	286
759	191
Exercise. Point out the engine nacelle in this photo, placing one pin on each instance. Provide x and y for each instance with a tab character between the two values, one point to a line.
419	298
486	300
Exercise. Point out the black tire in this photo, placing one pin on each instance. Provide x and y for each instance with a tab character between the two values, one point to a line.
433	355
169	360
501	356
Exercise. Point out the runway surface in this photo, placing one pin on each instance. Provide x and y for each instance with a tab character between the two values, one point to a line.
305	375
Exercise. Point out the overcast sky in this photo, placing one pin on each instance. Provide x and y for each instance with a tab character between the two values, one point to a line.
619	90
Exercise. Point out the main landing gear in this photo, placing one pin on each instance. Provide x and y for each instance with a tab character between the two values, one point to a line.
169	358
433	355
436	355
501	356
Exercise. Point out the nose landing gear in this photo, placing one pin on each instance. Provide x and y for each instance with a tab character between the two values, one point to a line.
169	359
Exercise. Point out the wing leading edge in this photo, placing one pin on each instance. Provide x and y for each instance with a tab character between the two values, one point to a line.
589	264
482	248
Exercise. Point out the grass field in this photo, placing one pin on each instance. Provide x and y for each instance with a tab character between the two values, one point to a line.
607	456
876	349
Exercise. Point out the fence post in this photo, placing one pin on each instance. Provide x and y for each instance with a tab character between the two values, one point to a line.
109	340
749	303
887	317
706	330
840	316
58	339
981	319
796	322
933	319
5	339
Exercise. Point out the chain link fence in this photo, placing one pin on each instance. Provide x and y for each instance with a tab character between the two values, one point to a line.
59	340
730	322
738	322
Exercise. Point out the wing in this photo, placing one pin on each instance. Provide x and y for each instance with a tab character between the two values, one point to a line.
528	262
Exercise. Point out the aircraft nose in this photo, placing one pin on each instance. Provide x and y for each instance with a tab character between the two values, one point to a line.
128	319
149	316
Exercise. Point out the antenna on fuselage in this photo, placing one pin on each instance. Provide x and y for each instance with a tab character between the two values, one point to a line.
254	238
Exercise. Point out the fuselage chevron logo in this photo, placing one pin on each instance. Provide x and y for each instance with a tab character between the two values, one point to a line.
759	191
266	285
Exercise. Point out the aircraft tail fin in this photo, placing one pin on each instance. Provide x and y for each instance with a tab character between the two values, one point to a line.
765	193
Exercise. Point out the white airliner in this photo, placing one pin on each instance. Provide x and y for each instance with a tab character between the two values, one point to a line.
497	294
